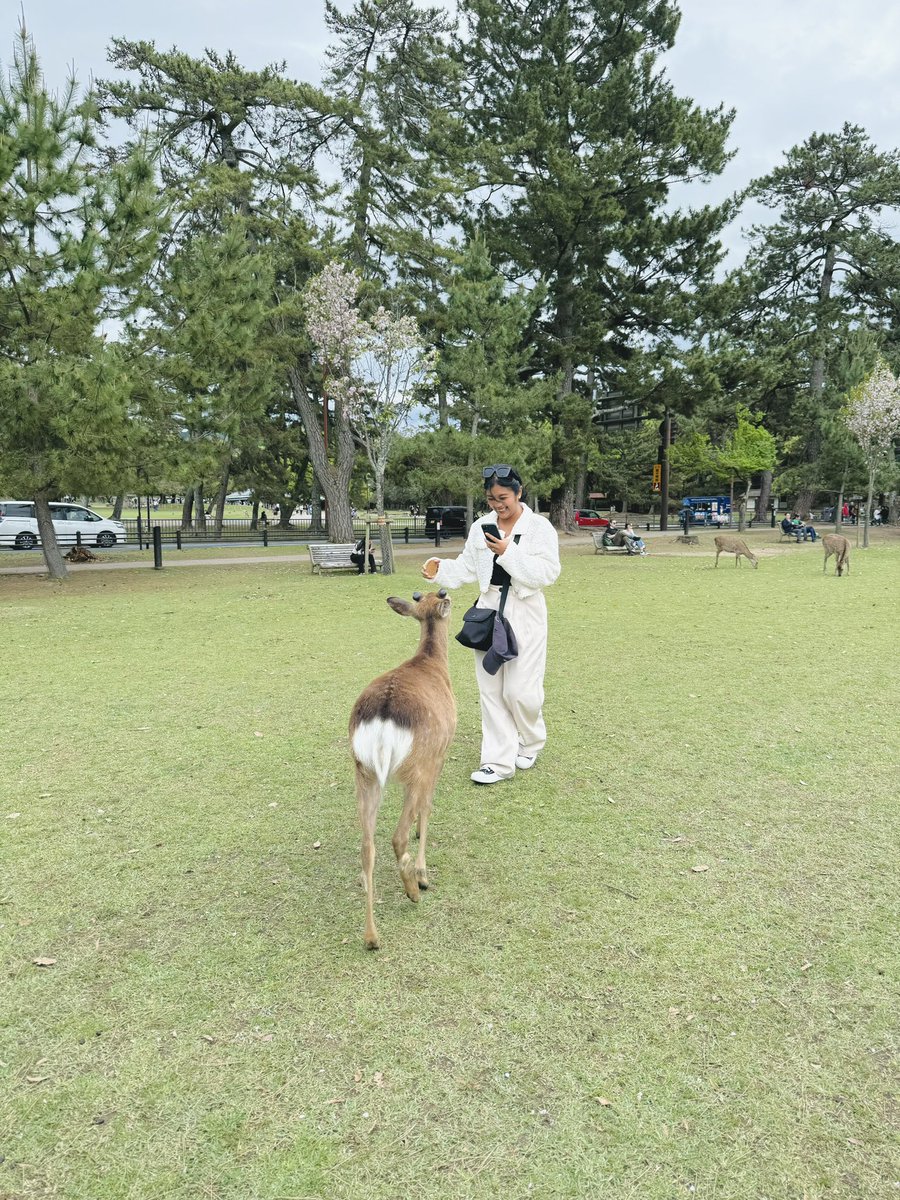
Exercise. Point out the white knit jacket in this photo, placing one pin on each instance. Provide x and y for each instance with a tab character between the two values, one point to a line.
532	563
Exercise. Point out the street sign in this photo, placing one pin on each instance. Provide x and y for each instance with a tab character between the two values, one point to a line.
657	476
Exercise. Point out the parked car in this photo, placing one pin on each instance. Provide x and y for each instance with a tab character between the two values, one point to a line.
587	517
451	516
19	527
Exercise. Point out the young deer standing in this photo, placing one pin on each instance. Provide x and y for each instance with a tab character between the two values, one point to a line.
839	546
401	727
727	543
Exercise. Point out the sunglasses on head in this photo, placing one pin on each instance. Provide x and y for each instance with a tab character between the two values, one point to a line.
501	470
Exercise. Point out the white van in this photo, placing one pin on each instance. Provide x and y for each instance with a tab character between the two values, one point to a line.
19	527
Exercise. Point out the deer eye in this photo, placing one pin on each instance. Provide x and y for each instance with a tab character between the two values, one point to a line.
417	596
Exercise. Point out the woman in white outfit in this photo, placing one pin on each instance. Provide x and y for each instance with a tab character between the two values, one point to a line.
527	554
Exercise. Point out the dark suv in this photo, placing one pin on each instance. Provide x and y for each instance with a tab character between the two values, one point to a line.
451	516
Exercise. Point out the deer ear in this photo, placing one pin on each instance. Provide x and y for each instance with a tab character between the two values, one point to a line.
403	607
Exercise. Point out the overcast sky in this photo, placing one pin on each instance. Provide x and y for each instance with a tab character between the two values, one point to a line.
789	67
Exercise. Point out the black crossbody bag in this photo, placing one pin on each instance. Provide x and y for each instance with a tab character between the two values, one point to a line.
477	632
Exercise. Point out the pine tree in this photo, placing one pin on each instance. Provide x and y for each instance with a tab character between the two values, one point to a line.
76	239
578	138
483	371
825	264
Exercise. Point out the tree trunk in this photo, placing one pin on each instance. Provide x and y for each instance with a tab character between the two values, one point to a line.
868	507
806	498
254	515
220	498
894	508
333	477
838	508
118	505
187	509
581	484
742	507
443	407
199	510
384	525
562	497
56	564
470	463
315	510
764	497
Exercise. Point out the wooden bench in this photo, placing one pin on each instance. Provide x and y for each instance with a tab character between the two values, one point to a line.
599	548
332	556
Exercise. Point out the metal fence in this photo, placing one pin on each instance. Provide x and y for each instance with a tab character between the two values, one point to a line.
405	529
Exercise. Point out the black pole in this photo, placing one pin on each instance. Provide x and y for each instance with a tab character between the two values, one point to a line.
666	430
437	534
265	535
140	532
157	548
178	538
77	537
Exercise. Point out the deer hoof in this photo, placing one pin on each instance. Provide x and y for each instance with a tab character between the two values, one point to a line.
408	875
373	942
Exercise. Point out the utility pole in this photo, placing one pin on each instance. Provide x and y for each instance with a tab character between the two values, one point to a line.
665	430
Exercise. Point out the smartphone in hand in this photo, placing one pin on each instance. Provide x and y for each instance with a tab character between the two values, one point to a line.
491	531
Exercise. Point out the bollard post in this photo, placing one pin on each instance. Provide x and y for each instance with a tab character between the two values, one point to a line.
157	548
437	534
406	534
77	537
178	539
265	535
140	532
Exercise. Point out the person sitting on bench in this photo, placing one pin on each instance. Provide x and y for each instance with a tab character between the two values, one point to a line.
359	557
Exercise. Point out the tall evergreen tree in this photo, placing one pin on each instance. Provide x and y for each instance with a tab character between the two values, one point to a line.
75	242
578	138
390	65
825	264
483	371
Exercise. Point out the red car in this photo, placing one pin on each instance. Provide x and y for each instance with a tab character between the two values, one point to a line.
588	517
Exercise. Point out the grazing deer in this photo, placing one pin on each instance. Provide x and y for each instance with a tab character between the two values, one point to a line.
839	546
401	727
727	543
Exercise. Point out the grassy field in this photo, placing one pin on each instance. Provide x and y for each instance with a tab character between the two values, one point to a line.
662	964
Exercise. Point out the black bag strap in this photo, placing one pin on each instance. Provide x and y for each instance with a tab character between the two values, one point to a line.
504	591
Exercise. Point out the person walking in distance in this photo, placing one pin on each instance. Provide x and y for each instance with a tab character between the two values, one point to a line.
516	547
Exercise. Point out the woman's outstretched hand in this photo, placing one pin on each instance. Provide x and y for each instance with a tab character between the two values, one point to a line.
430	569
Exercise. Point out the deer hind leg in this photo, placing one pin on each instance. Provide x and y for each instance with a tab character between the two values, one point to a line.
368	799
400	843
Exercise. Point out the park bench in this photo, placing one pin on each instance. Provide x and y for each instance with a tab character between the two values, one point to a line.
332	556
599	548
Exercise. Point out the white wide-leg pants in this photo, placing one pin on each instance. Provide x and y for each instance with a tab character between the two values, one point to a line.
511	701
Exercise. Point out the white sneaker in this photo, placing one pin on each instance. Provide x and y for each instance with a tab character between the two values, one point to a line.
486	775
525	762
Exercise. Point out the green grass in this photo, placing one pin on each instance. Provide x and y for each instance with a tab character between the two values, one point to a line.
174	745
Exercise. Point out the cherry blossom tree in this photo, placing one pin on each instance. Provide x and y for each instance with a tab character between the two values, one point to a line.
372	368
873	417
